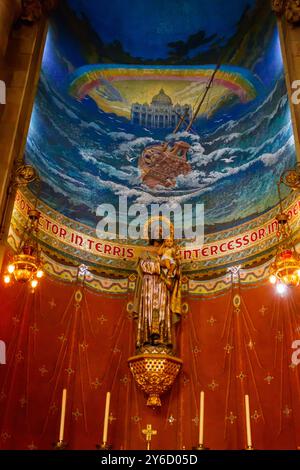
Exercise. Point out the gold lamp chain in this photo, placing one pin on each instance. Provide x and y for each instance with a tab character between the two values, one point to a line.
279	196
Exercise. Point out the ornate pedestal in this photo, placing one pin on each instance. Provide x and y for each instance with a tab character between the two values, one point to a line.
155	373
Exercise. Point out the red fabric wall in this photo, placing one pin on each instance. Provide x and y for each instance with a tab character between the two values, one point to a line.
54	340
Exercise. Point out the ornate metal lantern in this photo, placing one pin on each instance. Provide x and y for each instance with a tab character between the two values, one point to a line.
26	266
285	269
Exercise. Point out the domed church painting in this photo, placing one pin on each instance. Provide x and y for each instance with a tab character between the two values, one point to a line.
161	113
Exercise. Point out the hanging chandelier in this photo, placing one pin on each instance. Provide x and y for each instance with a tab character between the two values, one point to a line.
285	269
26	265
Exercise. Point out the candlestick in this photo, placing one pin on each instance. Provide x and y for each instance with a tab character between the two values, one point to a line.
248	423
60	445
106	417
63	415
104	446
201	421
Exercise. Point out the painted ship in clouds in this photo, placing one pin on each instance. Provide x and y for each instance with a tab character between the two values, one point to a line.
161	164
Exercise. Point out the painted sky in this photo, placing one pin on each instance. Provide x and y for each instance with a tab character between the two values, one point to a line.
146	27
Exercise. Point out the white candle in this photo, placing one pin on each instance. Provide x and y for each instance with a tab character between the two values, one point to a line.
248	423
201	422
106	416
63	414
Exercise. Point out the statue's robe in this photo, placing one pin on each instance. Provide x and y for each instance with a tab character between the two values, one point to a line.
157	298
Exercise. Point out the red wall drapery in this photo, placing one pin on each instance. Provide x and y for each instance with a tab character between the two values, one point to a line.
66	336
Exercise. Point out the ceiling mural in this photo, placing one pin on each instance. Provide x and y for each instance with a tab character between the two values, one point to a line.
120	77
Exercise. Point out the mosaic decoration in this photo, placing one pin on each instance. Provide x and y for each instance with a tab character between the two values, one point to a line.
79	241
248	277
109	68
197	288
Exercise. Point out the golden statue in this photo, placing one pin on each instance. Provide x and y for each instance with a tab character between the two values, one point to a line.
157	301
157	306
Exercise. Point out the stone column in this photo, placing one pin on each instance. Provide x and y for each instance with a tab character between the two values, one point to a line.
288	15
10	11
21	51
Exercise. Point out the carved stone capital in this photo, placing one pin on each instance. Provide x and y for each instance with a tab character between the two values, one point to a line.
33	10
278	6
290	9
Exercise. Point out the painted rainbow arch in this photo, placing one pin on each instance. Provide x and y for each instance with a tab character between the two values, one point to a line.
239	81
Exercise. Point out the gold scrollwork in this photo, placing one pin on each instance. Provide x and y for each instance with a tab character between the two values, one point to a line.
78	296
237	301
185	308
24	175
